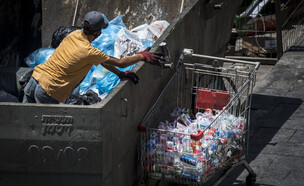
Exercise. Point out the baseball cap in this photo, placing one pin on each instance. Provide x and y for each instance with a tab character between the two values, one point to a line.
95	21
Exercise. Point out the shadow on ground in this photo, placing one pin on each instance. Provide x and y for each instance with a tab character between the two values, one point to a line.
296	49
268	115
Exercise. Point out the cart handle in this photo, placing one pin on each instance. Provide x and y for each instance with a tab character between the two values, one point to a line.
198	136
141	128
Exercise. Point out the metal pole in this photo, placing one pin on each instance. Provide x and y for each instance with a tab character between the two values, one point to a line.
257	64
74	17
278	29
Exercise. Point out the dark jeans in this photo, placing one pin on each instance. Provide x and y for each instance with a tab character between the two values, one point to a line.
34	93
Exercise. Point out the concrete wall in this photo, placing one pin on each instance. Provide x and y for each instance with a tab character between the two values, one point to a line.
58	13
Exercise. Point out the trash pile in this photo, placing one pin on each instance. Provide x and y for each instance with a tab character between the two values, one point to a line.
116	40
186	149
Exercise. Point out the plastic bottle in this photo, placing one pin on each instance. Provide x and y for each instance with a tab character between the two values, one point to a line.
210	133
241	123
162	125
224	125
159	156
199	115
186	144
232	120
229	134
177	110
151	144
214	162
190	176
177	145
163	139
208	112
237	132
174	115
169	145
209	115
183	119
151	155
202	121
205	143
176	160
192	128
168	158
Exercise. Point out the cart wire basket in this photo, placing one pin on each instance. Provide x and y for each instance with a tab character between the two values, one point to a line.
199	124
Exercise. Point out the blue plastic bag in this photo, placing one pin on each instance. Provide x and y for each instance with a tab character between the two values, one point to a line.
105	42
95	74
39	56
109	81
147	42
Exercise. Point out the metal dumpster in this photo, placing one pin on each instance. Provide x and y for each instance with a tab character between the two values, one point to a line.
96	145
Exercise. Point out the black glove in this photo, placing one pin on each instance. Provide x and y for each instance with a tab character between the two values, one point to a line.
129	75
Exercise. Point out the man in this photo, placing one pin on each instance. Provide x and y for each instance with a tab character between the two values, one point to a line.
54	81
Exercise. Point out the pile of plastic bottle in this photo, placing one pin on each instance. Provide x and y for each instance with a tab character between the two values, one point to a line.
171	153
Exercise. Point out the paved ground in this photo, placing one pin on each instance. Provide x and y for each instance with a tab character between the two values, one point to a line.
276	149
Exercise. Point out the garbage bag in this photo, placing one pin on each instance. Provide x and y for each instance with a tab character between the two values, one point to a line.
23	75
105	42
95	74
89	98
6	97
39	56
109	81
61	33
157	28
152	31
147	42
127	44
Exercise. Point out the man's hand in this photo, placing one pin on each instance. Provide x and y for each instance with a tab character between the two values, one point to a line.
152	57
129	75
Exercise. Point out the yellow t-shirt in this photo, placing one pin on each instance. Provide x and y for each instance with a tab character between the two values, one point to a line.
68	65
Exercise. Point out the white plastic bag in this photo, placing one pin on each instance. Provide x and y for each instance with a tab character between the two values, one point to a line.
158	27
127	44
152	31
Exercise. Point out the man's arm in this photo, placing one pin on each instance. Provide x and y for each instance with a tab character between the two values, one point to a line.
111	68
122	75
123	62
112	63
149	57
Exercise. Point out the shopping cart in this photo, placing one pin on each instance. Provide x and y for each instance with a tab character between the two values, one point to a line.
218	88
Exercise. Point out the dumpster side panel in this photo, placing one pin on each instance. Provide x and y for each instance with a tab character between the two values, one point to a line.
199	27
50	140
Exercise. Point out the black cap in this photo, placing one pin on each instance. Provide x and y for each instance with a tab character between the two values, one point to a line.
95	21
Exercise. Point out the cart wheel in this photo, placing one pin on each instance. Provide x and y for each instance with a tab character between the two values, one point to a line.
250	180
